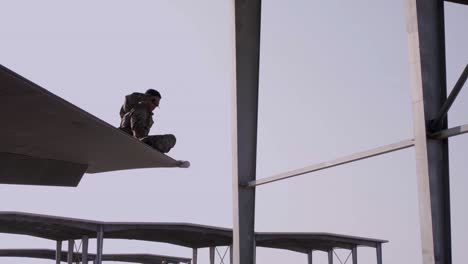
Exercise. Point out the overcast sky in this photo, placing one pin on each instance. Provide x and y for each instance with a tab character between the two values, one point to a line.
334	80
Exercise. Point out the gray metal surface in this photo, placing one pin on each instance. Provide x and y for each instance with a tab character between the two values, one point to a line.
354	255
58	252
71	246
134	258
212	255
84	249
425	25
305	242
379	254
48	227
463	2
144	258
61	228
187	235
451	132
40	254
54	142
99	244
182	234
310	257
22	169
247	36
194	256
333	163
437	123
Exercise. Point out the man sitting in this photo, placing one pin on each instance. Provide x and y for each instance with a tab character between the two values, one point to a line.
137	120
133	99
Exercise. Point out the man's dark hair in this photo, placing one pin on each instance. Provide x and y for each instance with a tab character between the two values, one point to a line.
153	92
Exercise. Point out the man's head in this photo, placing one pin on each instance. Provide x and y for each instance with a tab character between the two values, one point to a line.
153	92
155	97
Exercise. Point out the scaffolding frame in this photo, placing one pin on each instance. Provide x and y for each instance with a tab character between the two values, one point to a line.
430	104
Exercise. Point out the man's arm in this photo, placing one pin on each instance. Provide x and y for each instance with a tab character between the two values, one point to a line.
138	132
138	124
122	112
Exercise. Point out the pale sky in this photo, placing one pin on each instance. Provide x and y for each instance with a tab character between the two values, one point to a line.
334	80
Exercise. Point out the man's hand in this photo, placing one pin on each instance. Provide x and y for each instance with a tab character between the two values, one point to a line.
138	133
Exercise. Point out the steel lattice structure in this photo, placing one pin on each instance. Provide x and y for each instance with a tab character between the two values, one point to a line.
430	104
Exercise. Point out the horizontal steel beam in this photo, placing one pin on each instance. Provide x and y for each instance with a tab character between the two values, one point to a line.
333	163
463	2
451	132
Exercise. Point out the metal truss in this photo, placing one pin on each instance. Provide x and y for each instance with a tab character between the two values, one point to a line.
430	104
72	249
213	252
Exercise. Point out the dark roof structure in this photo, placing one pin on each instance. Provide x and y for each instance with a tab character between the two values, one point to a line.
144	258
305	242
134	258
48	227
181	234
60	228
49	141
463	2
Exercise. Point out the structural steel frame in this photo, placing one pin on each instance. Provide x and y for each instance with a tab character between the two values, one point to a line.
60	229
76	256
426	38
430	104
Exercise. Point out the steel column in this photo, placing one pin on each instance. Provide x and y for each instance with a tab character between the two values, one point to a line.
354	254
378	250
212	255
309	257
425	25
71	245
58	252
245	110
194	255
230	255
330	256
84	250
99	244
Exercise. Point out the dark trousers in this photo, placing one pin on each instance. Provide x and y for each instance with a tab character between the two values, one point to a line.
162	143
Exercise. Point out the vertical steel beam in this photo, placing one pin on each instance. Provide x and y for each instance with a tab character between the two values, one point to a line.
330	256
245	110
231	255
84	250
71	247
99	244
194	255
212	255
425	25
354	254
378	250
58	252
309	257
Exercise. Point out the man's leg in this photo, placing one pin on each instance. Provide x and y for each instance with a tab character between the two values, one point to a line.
162	143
